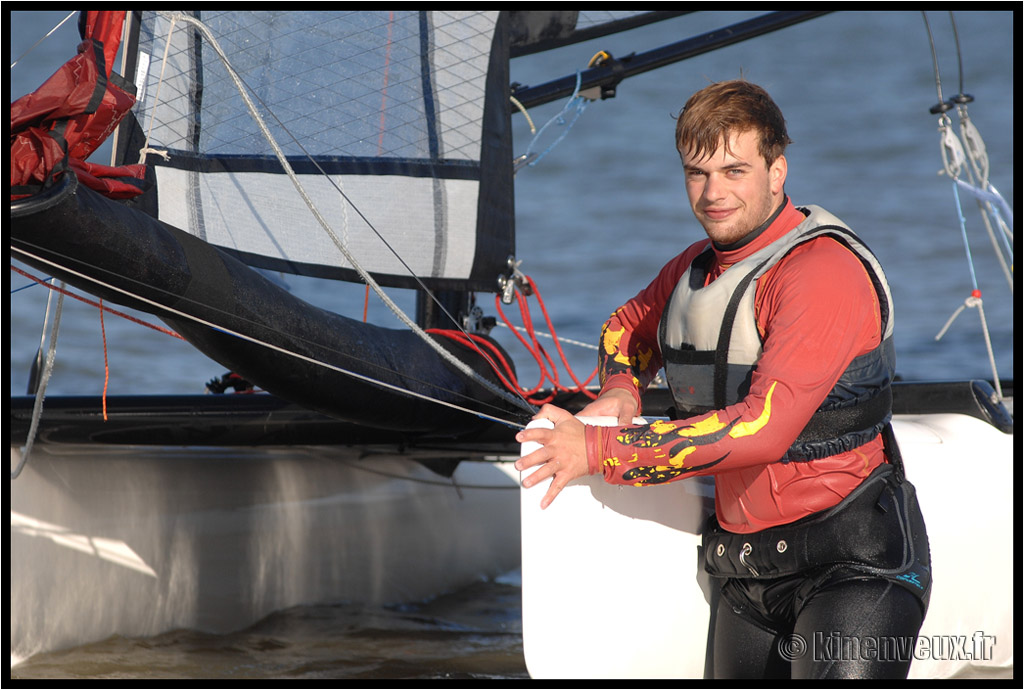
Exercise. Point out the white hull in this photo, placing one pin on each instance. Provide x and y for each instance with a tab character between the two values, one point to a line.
136	541
625	596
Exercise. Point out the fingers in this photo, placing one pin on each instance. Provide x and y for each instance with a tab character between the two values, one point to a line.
544	472
554	471
552	492
541	433
537	457
555	449
602	407
533	435
548	463
552	413
616	403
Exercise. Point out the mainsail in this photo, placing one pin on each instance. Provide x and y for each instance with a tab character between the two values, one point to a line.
396	123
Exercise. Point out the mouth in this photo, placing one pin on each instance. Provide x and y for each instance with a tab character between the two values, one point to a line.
718	213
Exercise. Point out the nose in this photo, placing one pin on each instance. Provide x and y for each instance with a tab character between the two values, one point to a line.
714	189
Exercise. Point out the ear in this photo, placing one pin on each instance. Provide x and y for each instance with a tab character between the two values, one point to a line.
777	175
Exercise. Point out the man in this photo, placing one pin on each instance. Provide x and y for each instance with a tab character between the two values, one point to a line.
776	338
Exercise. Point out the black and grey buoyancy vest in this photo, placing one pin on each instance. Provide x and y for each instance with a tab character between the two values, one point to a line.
711	345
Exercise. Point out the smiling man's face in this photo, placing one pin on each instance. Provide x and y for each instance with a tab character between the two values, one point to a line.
733	191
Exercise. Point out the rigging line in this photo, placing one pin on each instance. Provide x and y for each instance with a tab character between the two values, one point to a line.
546	366
156	96
975	302
990	202
526	114
973	149
985	200
1001	210
270	346
935	58
48	34
542	334
37	365
959	55
106	362
558	346
37	407
367	278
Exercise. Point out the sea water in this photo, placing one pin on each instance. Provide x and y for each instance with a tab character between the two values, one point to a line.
596	218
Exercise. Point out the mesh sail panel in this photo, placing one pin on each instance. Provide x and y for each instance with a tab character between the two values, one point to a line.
396	123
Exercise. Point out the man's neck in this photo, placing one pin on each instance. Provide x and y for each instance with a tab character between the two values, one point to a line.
753	234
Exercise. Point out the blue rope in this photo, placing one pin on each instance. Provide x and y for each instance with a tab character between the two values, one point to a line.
560	119
997	207
25	287
963	233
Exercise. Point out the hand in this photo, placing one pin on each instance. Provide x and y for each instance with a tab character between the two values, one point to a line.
615	402
562	456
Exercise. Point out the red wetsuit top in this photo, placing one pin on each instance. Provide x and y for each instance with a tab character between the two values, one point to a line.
816	310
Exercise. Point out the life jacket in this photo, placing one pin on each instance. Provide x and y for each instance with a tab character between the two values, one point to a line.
711	345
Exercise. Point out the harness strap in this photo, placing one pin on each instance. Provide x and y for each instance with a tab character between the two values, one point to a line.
875	527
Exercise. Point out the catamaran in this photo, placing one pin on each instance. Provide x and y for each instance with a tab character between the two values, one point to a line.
373	463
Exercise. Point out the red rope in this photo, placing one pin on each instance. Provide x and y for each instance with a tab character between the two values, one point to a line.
546	365
503	372
579	386
98	305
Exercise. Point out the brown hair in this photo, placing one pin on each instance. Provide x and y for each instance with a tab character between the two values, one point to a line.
717	111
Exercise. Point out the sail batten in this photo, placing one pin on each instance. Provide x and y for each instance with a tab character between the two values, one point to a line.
396	123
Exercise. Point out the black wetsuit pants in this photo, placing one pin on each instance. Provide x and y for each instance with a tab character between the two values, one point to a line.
841	625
